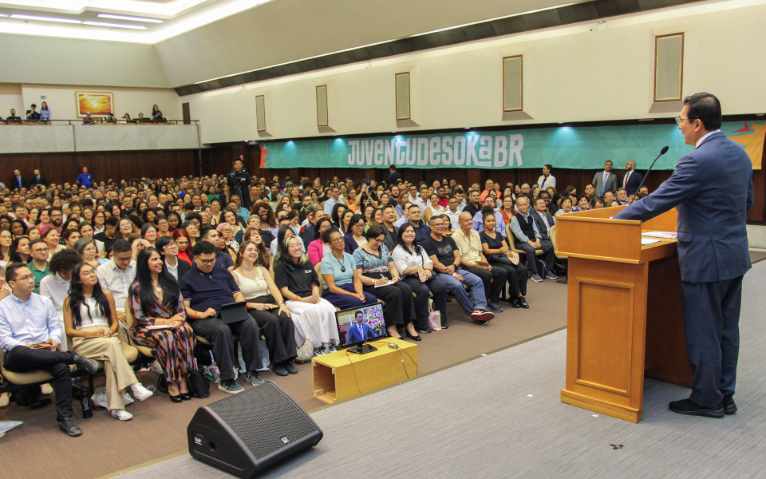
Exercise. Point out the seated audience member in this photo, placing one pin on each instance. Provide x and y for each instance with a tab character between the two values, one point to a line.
452	213
388	216
596	202
342	279
528	239
377	267
39	263
168	249
543	219
447	261
205	289
421	229
155	300
264	256
87	249
55	286
30	332
6	242
582	203
222	259
416	270
184	245
227	238
478	218
12	117
285	232
313	214
93	336
566	206
266	305
149	233
298	282
117	274
473	260
498	255
20	252
108	235
355	237
317	248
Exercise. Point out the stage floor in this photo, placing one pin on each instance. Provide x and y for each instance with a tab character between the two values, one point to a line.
500	416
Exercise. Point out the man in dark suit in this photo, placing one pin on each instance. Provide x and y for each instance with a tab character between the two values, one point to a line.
605	180
18	181
543	219
712	250
393	176
38	179
359	331
632	178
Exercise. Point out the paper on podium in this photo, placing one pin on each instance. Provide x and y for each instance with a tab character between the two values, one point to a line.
648	241
660	234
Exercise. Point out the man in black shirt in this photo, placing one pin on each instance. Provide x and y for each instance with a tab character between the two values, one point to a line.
107	236
13	117
446	257
393	175
222	258
473	205
205	289
392	232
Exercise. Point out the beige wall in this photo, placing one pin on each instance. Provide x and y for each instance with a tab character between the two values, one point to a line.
570	74
67	61
10	97
61	100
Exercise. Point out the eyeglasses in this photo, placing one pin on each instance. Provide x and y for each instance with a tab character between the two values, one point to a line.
380	240
337	240
122	260
206	261
679	120
170	245
87	273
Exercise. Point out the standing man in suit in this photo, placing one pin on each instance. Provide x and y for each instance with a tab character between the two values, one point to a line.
38	179
18	181
605	180
712	250
632	178
359	331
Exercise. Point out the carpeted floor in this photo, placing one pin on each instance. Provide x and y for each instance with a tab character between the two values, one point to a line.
457	423
159	427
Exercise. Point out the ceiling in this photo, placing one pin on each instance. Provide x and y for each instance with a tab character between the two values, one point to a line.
142	21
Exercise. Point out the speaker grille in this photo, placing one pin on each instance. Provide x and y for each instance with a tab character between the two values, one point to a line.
265	418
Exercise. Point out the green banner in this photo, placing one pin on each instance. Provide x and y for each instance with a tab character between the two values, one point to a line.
562	147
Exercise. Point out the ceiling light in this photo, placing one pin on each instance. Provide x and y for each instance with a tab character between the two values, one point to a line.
44	19
115	25
131	19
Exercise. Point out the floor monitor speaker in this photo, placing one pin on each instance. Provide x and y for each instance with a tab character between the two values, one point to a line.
252	431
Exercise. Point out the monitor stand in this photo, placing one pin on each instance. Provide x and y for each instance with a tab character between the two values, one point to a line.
363	348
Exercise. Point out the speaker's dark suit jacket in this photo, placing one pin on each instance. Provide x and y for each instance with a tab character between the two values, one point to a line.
632	186
712	189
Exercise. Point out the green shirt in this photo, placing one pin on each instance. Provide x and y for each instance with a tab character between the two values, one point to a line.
39	275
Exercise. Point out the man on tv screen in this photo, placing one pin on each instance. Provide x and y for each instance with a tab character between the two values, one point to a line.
359	331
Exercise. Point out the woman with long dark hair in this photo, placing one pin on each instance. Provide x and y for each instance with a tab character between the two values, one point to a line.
20	252
90	320
417	271
155	300
253	234
498	255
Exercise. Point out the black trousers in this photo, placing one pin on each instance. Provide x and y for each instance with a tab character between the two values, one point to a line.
219	335
22	359
422	294
711	328
400	307
494	276
548	256
279	330
516	275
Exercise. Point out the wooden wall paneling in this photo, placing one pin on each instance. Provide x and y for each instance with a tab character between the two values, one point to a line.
26	167
758	213
57	168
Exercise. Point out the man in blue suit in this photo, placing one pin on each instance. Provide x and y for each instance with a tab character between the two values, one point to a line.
359	331
631	179
712	189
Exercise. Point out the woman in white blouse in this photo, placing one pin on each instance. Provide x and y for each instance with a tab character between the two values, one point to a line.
433	208
416	270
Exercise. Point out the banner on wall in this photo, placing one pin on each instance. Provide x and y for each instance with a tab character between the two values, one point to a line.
562	147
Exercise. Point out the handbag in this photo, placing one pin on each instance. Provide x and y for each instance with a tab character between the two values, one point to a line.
198	385
305	352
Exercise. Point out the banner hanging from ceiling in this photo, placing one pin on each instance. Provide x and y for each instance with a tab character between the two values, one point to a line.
562	147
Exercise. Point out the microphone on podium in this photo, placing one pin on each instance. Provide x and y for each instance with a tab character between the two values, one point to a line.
662	152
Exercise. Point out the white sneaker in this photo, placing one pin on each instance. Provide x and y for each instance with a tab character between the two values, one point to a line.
156	368
140	392
127	399
121	414
99	400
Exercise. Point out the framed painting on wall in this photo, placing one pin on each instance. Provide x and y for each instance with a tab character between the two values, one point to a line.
98	103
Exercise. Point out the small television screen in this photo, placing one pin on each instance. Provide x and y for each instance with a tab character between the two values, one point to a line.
357	325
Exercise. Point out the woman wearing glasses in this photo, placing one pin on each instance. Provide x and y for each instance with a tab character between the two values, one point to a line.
377	268
90	320
355	236
342	279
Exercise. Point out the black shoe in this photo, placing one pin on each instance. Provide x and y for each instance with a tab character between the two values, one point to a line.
445	326
423	331
515	303
175	399
70	428
523	302
494	307
185	396
88	365
279	370
690	408
729	406
414	338
290	368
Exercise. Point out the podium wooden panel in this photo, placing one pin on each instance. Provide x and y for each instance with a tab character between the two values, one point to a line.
624	316
341	375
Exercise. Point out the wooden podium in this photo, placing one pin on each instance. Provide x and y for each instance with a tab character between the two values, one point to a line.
624	316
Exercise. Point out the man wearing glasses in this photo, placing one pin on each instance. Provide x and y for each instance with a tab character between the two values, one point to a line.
117	275
39	264
712	250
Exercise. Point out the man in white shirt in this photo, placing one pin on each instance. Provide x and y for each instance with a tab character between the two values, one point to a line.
117	275
332	200
55	286
453	213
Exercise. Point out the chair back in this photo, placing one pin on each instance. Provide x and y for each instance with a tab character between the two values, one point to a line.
555	243
318	269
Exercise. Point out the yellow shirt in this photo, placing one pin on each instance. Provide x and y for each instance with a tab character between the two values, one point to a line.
470	247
